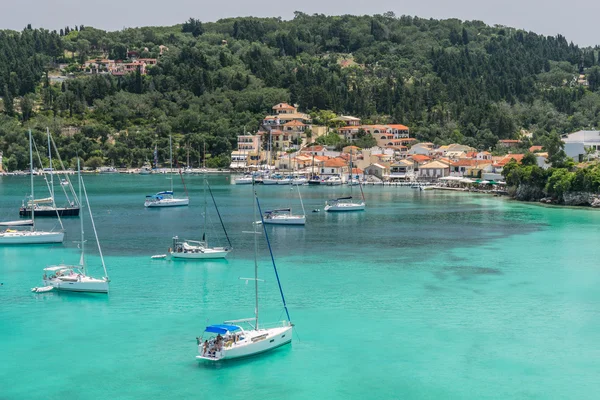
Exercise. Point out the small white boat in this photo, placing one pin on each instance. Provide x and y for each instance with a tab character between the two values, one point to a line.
64	182
299	181
21	222
145	170
333	181
271	180
42	289
341	204
244	180
285	181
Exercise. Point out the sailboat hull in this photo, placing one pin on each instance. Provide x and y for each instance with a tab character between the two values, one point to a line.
85	285
50	212
206	254
28	237
256	342
167	203
341	207
287	220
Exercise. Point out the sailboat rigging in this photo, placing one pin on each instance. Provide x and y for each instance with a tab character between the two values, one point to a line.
75	278
199	249
33	236
346	203
166	198
47	207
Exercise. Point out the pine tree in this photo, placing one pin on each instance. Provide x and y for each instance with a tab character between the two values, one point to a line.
8	102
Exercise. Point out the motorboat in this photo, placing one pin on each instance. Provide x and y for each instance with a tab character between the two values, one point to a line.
316	180
145	170
244	180
333	181
299	180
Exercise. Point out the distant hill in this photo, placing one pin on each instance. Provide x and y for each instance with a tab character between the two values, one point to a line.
448	80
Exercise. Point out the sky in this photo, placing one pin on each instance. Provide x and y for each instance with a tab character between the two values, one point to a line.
577	21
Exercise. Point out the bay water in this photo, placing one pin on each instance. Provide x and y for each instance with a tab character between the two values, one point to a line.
425	295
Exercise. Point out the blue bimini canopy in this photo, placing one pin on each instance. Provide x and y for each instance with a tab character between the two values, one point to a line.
222	329
169	193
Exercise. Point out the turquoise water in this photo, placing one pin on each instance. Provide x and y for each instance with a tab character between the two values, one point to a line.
426	295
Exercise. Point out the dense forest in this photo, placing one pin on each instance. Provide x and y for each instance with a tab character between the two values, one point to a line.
448	80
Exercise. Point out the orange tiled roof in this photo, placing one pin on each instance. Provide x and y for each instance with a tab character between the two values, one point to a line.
294	123
508	157
420	158
283	106
465	162
533	149
399	127
335	163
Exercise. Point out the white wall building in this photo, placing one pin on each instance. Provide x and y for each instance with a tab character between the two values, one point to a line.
578	143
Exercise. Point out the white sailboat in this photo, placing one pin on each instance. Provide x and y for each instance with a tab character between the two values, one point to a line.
47	207
167	198
73	278
32	236
230	340
284	216
199	249
346	203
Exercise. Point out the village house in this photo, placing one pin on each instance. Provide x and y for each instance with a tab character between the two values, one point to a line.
433	170
460	167
378	170
480	170
582	145
249	151
421	148
334	166
118	67
401	170
499	165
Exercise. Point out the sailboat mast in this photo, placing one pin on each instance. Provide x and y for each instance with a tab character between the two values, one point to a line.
188	154
82	258
255	204
204	157
51	169
171	160
204	227
31	178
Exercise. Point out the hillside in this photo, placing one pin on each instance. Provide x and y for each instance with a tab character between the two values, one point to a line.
448	80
